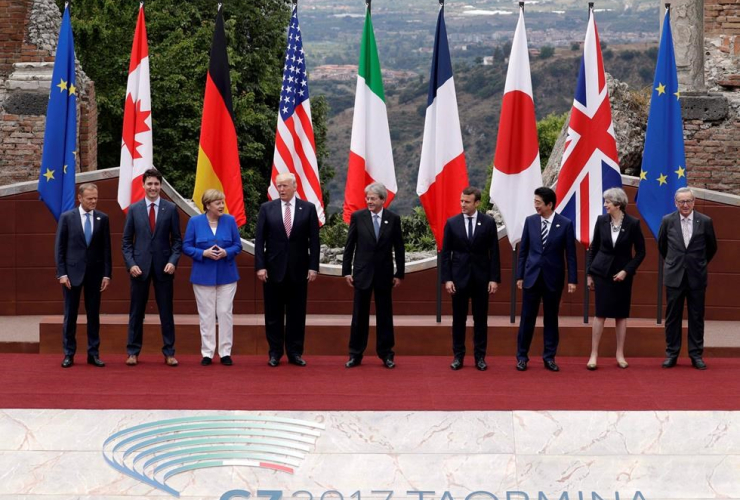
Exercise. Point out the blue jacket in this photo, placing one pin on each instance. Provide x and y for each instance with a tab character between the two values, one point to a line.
199	237
549	261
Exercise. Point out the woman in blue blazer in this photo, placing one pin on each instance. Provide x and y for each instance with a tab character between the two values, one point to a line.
212	240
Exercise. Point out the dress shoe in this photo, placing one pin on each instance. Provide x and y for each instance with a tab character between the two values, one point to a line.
205	361
481	365
170	361
95	361
226	361
698	363
297	360
273	361
68	361
353	362
623	364
670	362
456	364
591	366
132	360
389	363
550	365
521	365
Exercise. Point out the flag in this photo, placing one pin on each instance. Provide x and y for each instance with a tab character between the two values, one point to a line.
137	143
590	163
59	157
218	154
295	148
442	172
516	164
663	160
370	156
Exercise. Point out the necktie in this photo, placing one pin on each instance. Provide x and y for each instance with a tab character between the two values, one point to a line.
88	229
286	219
376	223
545	231
470	228
686	230
152	217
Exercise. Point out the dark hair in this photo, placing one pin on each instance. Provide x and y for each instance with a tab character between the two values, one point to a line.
152	172
472	190
547	195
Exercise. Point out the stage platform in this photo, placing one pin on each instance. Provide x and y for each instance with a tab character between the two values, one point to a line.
329	334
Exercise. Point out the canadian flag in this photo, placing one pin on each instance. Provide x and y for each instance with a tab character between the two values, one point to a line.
136	142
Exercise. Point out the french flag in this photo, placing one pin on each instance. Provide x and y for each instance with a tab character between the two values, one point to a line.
442	172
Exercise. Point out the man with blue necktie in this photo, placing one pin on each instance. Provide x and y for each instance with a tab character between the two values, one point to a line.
83	260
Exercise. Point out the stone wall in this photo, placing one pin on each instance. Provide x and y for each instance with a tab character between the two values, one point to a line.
721	17
29	31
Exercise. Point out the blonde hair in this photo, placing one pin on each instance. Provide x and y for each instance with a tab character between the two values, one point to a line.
211	195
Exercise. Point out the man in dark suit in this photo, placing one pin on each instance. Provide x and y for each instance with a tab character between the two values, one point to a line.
151	249
548	241
687	242
471	271
286	253
83	261
374	236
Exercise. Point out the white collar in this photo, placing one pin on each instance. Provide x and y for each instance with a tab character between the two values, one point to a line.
82	211
291	201
548	219
379	214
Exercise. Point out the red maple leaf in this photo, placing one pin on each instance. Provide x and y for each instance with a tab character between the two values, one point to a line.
134	122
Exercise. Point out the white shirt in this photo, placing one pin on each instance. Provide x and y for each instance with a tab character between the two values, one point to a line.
156	207
82	218
689	226
292	209
379	214
475	220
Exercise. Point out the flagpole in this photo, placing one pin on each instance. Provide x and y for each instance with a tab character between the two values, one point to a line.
439	286
512	311
659	311
585	287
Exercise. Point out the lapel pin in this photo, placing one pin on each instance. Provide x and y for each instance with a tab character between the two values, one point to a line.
479	223
300	208
557	225
98	218
385	222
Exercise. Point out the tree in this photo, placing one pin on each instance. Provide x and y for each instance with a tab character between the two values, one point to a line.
547	52
548	132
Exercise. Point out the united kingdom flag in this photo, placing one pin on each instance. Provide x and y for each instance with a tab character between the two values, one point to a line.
590	164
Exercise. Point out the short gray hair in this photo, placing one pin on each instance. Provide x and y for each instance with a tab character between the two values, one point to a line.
84	187
616	196
682	190
285	176
377	188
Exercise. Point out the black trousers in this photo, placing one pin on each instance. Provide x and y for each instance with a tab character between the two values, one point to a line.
91	289
675	297
285	316
531	298
163	291
477	293
360	328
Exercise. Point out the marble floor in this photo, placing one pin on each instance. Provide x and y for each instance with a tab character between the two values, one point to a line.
519	455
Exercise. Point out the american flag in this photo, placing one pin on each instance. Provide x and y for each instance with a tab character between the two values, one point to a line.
295	149
590	163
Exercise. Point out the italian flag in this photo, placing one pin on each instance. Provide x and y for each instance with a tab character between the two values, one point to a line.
370	156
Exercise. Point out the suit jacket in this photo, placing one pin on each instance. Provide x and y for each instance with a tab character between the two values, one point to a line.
464	261
283	256
199	237
680	259
370	261
74	258
606	259
550	261
152	251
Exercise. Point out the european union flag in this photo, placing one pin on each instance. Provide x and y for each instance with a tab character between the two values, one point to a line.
663	160
58	161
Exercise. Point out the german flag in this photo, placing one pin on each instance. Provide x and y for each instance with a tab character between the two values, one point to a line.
218	154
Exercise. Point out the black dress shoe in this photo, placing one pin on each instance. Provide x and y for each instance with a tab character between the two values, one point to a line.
297	360
521	365
226	361
68	361
273	361
481	365
389	363
353	362
456	364
95	361
206	361
670	362
550	365
698	363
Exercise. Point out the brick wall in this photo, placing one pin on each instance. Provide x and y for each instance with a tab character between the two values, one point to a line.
713	153
721	17
14	14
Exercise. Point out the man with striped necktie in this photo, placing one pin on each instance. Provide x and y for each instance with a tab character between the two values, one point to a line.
548	241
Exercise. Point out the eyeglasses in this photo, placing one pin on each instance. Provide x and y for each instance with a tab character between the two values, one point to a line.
684	202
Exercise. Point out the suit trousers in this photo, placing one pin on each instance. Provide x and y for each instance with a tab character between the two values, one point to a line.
360	328
675	297
91	288
215	303
477	293
531	298
163	291
285	316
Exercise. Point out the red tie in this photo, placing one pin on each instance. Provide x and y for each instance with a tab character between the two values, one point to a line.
286	219
152	219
